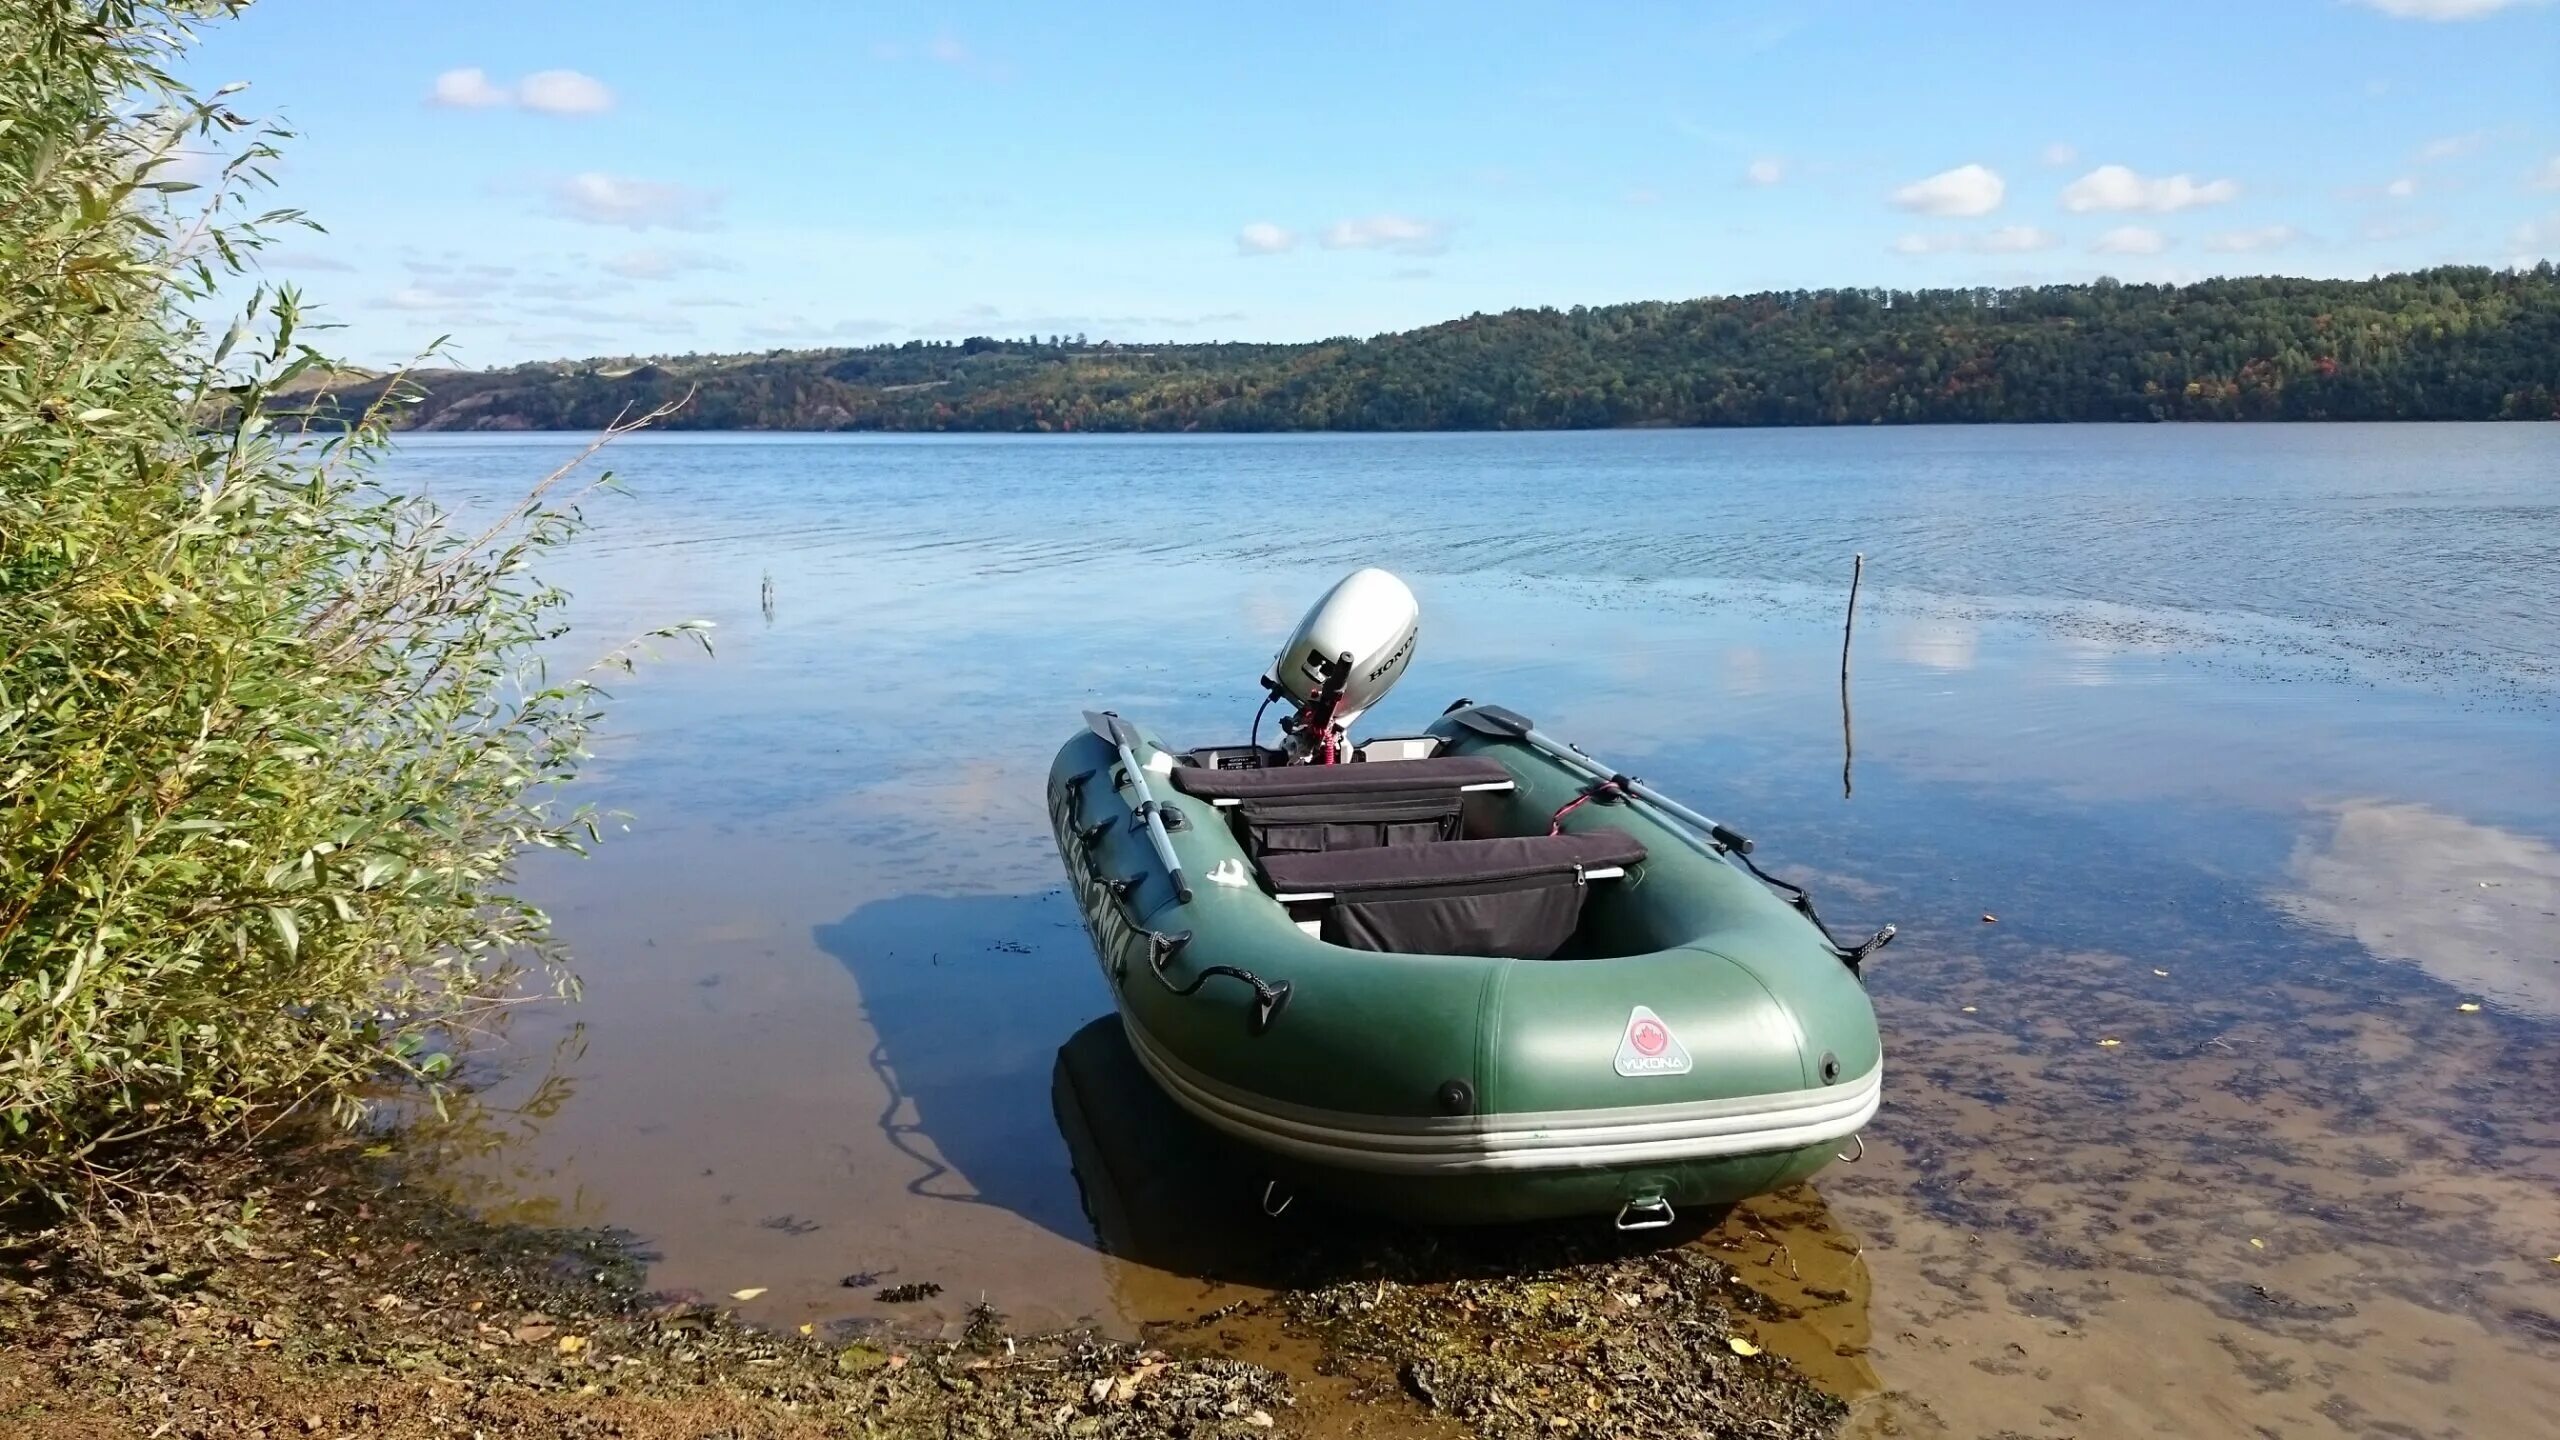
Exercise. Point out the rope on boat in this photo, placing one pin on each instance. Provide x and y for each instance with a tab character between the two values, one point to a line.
1796	895
1268	999
1607	792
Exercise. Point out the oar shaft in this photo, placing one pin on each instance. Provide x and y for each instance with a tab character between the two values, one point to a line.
1569	756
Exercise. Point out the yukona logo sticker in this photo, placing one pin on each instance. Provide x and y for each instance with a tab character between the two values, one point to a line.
1649	1048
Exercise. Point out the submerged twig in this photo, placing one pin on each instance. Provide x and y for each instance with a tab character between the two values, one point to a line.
1848	747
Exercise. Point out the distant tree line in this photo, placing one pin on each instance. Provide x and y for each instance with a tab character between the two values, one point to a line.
2456	343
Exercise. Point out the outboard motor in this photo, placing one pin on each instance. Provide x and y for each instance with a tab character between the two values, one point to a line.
1343	658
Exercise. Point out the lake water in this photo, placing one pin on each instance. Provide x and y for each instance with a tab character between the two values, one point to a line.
2248	737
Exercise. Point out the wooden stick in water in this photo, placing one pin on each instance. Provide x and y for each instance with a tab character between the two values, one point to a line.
1848	749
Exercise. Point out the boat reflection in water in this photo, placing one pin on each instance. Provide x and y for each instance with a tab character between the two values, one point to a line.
1186	1218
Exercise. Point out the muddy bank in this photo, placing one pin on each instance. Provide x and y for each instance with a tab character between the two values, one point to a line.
314	1293
1513	1345
319	1295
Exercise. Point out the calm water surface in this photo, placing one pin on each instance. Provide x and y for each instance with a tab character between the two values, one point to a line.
2246	736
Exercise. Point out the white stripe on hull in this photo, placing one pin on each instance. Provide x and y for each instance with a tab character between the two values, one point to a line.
1547	1140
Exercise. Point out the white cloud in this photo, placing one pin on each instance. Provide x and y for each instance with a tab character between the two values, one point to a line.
944	49
659	264
596	198
415	297
985	319
450	299
194	166
466	89
562	343
2264	237
563	92
561	288
1264	238
300	260
2541	235
546	92
2061	152
2131	240
1401	234
1767	170
584	314
2545	176
2398	227
2402	188
2442	9
800	329
451	272
1965	190
2451	147
2115	187
1644	195
2016	240
2007	240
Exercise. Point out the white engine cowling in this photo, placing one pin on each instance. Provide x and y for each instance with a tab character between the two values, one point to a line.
1364	629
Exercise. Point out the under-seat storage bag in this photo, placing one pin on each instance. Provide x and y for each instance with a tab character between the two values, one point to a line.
1523	919
1311	824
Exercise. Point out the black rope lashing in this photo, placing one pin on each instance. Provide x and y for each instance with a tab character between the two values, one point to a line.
1853	956
1268	999
1612	791
1254	738
1071	790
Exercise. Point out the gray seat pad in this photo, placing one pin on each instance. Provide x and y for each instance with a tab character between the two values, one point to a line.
1372	778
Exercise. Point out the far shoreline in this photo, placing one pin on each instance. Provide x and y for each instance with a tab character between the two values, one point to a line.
663	431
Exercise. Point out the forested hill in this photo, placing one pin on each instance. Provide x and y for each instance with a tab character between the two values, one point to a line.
2447	344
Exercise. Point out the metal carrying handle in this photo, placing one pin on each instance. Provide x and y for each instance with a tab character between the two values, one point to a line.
1647	1214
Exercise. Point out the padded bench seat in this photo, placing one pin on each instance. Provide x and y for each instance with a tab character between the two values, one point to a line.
1376	777
1449	862
1518	896
1302	809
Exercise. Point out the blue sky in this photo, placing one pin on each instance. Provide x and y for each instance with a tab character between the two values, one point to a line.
571	178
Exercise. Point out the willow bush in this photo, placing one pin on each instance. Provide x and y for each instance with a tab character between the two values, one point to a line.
270	735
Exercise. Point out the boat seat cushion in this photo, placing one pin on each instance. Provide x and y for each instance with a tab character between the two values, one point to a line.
1375	777
1300	809
1517	896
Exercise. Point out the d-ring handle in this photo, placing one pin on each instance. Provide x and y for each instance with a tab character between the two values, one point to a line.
1861	1138
1270	1188
1647	1214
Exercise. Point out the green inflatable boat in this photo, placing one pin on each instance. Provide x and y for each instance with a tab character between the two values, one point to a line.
1466	976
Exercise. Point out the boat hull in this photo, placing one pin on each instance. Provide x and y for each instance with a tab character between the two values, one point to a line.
1461	1089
